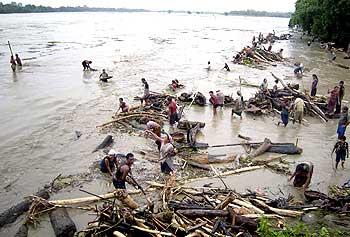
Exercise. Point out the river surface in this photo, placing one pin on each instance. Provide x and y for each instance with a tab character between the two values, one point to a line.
45	102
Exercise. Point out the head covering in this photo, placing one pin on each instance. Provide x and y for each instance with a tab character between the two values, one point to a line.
112	152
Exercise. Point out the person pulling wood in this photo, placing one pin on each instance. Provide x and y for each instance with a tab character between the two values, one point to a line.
122	172
156	129
166	154
302	175
109	162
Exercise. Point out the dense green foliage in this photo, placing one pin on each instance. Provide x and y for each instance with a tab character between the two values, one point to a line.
19	8
298	230
328	19
259	13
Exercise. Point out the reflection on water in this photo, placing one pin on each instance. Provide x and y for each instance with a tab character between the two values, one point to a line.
51	97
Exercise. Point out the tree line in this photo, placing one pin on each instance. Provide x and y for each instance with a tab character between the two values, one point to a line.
259	13
14	7
327	19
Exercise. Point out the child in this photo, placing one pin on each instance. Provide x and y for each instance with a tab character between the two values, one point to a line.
341	150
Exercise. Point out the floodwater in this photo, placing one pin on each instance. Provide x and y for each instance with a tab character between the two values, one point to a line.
45	102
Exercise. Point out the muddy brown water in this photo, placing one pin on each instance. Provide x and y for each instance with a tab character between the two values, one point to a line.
45	102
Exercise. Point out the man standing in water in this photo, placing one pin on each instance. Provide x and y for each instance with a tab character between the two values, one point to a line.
302	175
341	149
314	85
122	172
109	162
104	76
146	93
340	97
172	111
18	60
343	122
213	100
13	63
166	153
220	98
299	110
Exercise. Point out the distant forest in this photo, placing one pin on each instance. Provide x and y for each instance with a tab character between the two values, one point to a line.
259	13
14	7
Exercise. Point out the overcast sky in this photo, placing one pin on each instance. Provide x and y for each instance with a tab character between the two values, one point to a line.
193	5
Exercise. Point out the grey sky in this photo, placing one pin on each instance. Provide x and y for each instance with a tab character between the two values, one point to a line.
193	5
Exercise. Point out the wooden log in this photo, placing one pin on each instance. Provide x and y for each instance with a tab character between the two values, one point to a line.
202	158
285	149
90	199
11	214
191	134
211	213
152	231
227	159
278	211
106	142
22	231
266	145
118	234
197	165
237	171
248	205
62	224
185	124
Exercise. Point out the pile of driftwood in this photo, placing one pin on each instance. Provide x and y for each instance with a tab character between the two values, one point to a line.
187	211
273	101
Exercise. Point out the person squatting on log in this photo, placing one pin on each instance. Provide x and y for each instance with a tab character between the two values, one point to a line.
314	85
123	106
220	98
122	172
341	149
302	175
172	111
298	107
239	105
146	92
333	100
156	129
344	121
340	97
109	162
166	153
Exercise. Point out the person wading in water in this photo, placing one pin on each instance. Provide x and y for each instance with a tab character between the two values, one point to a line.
122	172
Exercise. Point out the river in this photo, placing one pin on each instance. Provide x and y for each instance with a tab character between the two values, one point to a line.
44	103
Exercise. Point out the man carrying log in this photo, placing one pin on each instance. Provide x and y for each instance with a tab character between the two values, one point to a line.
122	172
302	175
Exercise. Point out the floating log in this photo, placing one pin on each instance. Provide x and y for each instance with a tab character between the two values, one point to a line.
197	165
185	124
106	142
278	211
62	224
22	231
266	145
202	158
252	109
285	149
11	214
227	159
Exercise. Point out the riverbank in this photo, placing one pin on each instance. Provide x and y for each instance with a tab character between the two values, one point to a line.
74	101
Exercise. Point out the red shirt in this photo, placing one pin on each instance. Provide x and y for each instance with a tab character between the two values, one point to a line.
172	107
213	100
